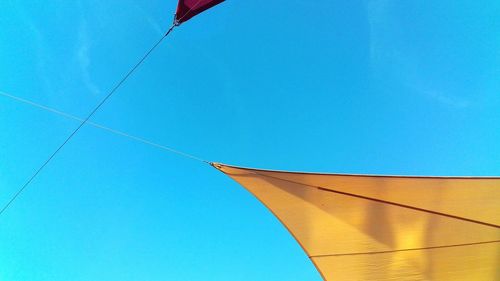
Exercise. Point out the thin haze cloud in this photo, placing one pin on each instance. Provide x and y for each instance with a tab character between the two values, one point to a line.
83	54
84	47
39	46
448	100
388	55
152	22
376	13
83	57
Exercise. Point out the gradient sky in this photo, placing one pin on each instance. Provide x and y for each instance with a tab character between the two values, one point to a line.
378	87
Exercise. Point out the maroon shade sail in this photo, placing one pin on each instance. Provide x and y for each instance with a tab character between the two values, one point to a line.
187	9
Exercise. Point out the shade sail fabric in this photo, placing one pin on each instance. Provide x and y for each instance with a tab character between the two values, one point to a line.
357	227
186	9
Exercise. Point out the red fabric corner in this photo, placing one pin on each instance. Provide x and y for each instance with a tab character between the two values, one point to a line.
186	9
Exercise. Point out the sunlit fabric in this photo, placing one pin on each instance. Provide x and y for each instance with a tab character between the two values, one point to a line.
187	9
360	227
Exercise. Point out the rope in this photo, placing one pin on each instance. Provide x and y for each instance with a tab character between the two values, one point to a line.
117	132
85	121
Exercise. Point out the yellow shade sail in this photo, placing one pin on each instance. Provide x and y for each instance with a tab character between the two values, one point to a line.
363	227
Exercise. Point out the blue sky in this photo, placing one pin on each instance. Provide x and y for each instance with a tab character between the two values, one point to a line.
378	87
